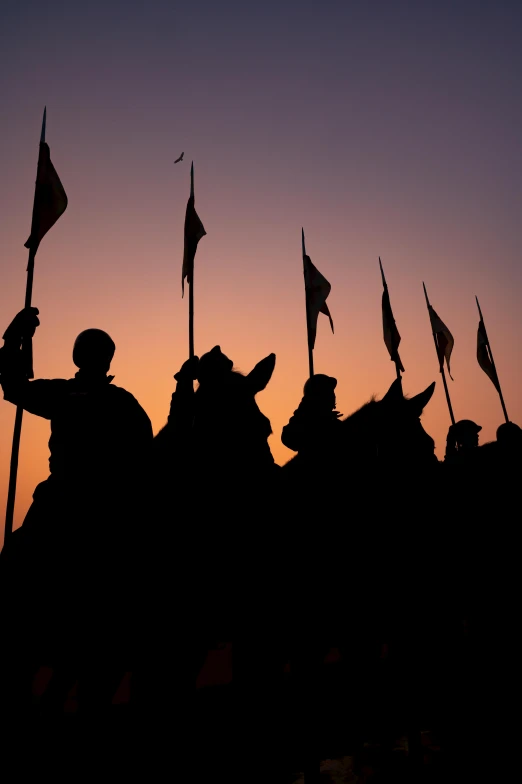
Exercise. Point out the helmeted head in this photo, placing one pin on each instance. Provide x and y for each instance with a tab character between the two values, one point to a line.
321	389
466	432
93	351
509	435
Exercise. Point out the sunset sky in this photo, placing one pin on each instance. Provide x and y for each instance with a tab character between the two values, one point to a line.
386	128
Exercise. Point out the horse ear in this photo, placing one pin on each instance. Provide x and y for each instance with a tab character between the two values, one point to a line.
259	376
420	401
394	394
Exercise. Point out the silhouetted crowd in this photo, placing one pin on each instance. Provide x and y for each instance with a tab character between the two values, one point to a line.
141	553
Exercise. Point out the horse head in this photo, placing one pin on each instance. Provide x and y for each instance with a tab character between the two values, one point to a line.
401	436
231	433
388	432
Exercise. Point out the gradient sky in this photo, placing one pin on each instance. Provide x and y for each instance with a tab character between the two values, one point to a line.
384	128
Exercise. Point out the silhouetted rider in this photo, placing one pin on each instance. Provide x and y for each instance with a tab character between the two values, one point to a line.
315	423
100	435
462	442
509	446
71	566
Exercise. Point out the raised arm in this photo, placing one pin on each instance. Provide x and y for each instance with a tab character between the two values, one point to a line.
37	397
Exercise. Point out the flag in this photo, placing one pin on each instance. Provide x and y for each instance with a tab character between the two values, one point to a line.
194	231
50	199
444	339
390	331
317	290
483	355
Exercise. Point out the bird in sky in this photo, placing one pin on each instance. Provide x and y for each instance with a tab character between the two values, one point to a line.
180	158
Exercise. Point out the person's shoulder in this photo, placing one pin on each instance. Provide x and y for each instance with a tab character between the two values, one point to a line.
123	394
126	398
114	389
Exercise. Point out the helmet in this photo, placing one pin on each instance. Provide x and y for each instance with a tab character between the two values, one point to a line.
508	433
93	348
466	427
464	433
319	384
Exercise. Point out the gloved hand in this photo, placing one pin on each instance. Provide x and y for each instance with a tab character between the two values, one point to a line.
22	326
188	370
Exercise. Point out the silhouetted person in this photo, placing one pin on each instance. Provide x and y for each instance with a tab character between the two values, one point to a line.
77	544
509	438
315	422
461	441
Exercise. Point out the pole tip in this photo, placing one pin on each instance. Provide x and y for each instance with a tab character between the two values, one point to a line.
382	273
44	119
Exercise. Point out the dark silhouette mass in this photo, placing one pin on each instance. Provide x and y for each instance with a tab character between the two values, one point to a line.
143	554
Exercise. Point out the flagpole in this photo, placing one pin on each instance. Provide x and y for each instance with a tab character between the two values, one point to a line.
310	349
385	285
493	363
440	363
27	350
191	285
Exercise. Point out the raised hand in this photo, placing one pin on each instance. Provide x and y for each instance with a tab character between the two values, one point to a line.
23	325
188	370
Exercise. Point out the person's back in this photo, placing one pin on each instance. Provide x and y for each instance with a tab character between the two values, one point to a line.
100	435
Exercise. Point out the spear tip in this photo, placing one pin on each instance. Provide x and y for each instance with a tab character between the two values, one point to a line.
382	272
44	120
